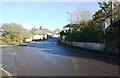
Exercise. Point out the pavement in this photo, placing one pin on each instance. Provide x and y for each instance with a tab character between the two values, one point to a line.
47	58
3	72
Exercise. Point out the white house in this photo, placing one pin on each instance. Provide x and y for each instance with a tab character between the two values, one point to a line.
56	33
67	28
49	35
28	40
70	27
36	37
41	33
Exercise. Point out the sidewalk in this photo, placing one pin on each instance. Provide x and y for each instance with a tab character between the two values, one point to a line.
5	45
21	44
4	73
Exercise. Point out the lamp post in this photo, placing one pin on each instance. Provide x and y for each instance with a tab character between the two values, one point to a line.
70	26
70	17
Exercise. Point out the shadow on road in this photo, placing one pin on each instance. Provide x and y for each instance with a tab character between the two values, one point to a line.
57	49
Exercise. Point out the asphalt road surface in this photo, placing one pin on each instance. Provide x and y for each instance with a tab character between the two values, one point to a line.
47	58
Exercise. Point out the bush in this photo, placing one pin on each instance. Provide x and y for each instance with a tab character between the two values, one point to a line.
14	33
86	35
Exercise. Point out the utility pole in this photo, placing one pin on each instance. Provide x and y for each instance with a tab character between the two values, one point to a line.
111	12
70	26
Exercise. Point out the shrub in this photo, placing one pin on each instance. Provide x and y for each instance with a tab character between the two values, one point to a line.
86	35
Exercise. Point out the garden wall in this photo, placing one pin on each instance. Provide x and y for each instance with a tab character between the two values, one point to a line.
86	45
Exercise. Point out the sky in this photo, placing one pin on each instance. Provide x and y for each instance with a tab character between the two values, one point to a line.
49	15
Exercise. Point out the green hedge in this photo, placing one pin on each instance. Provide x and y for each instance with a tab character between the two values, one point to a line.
86	35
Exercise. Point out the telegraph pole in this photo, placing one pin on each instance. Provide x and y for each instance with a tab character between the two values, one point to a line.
111	12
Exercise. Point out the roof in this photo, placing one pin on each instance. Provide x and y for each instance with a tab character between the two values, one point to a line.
67	26
56	31
42	31
70	25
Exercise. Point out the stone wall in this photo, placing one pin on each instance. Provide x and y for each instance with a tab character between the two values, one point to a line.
86	45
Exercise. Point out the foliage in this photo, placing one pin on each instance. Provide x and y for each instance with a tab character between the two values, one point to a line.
107	12
88	35
90	30
84	32
14	33
116	11
62	34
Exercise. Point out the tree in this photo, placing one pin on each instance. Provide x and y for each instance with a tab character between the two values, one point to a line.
14	33
111	10
83	15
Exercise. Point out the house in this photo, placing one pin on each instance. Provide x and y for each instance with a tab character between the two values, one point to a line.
28	40
70	26
41	33
50	35
67	28
56	33
38	37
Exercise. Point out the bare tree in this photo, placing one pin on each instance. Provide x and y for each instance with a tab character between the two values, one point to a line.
81	15
85	15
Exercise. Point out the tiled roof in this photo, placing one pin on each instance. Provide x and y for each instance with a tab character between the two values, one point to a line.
42	31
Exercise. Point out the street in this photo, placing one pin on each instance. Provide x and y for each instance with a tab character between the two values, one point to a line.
47	58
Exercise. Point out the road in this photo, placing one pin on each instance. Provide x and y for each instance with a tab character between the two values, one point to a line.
47	58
